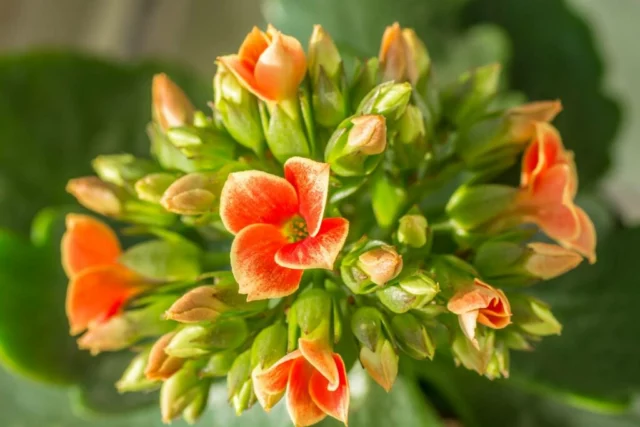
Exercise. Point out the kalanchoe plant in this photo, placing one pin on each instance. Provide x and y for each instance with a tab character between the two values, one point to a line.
299	215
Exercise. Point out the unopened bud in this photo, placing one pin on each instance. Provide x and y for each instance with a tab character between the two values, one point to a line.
412	336
393	54
198	340
414	291
498	366
470	356
472	207
219	364
323	53
381	264
366	325
452	272
411	127
97	195
381	364
412	230
198	305
387	99
355	147
134	378
269	346
193	194
238	110
468	98
534	317
313	313
122	169
171	107
151	188
366	78
160	365
522	119
184	393
239	384
418	59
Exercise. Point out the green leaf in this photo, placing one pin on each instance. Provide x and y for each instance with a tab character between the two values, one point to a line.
59	111
387	199
555	57
164	260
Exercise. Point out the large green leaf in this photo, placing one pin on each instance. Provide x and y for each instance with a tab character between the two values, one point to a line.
554	56
57	112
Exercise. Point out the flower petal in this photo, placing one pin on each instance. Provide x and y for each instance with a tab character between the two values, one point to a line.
87	242
252	47
320	355
311	181
280	69
302	409
254	267
320	251
381	365
585	243
332	402
98	293
468	323
273	381
544	152
242	70
254	197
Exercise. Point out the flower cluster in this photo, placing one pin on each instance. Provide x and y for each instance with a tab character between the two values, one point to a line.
314	207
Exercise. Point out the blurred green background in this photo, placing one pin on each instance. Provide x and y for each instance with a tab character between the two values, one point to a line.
75	82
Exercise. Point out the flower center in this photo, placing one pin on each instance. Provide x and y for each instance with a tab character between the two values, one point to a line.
295	229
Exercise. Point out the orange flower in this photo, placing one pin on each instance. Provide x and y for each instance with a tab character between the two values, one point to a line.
549	183
315	380
480	303
279	227
271	65
98	287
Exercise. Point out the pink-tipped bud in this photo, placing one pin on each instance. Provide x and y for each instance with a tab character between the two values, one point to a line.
171	107
381	264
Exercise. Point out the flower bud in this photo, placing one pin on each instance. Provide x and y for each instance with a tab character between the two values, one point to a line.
381	264
393	54
387	99
467	99
313	314
381	364
475	206
97	195
134	378
238	110
414	291
160	365
184	393
151	188
285	133
412	230
269	346
356	146
122	169
366	78
498	366
412	337
534	317
198	340
219	364
418	59
193	194
239	384
366	325
171	107
452	272
323	53
206	303
411	127
522	119
473	357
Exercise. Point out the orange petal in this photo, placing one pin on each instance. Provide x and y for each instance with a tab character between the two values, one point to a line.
302	409
559	222
243	71
273	381
252	47
332	402
311	181
98	293
468	323
393	54
254	267
316	252
280	69
253	197
319	354
87	242
544	152
585	243
552	186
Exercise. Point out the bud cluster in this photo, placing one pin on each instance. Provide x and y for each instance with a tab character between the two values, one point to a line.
303	166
